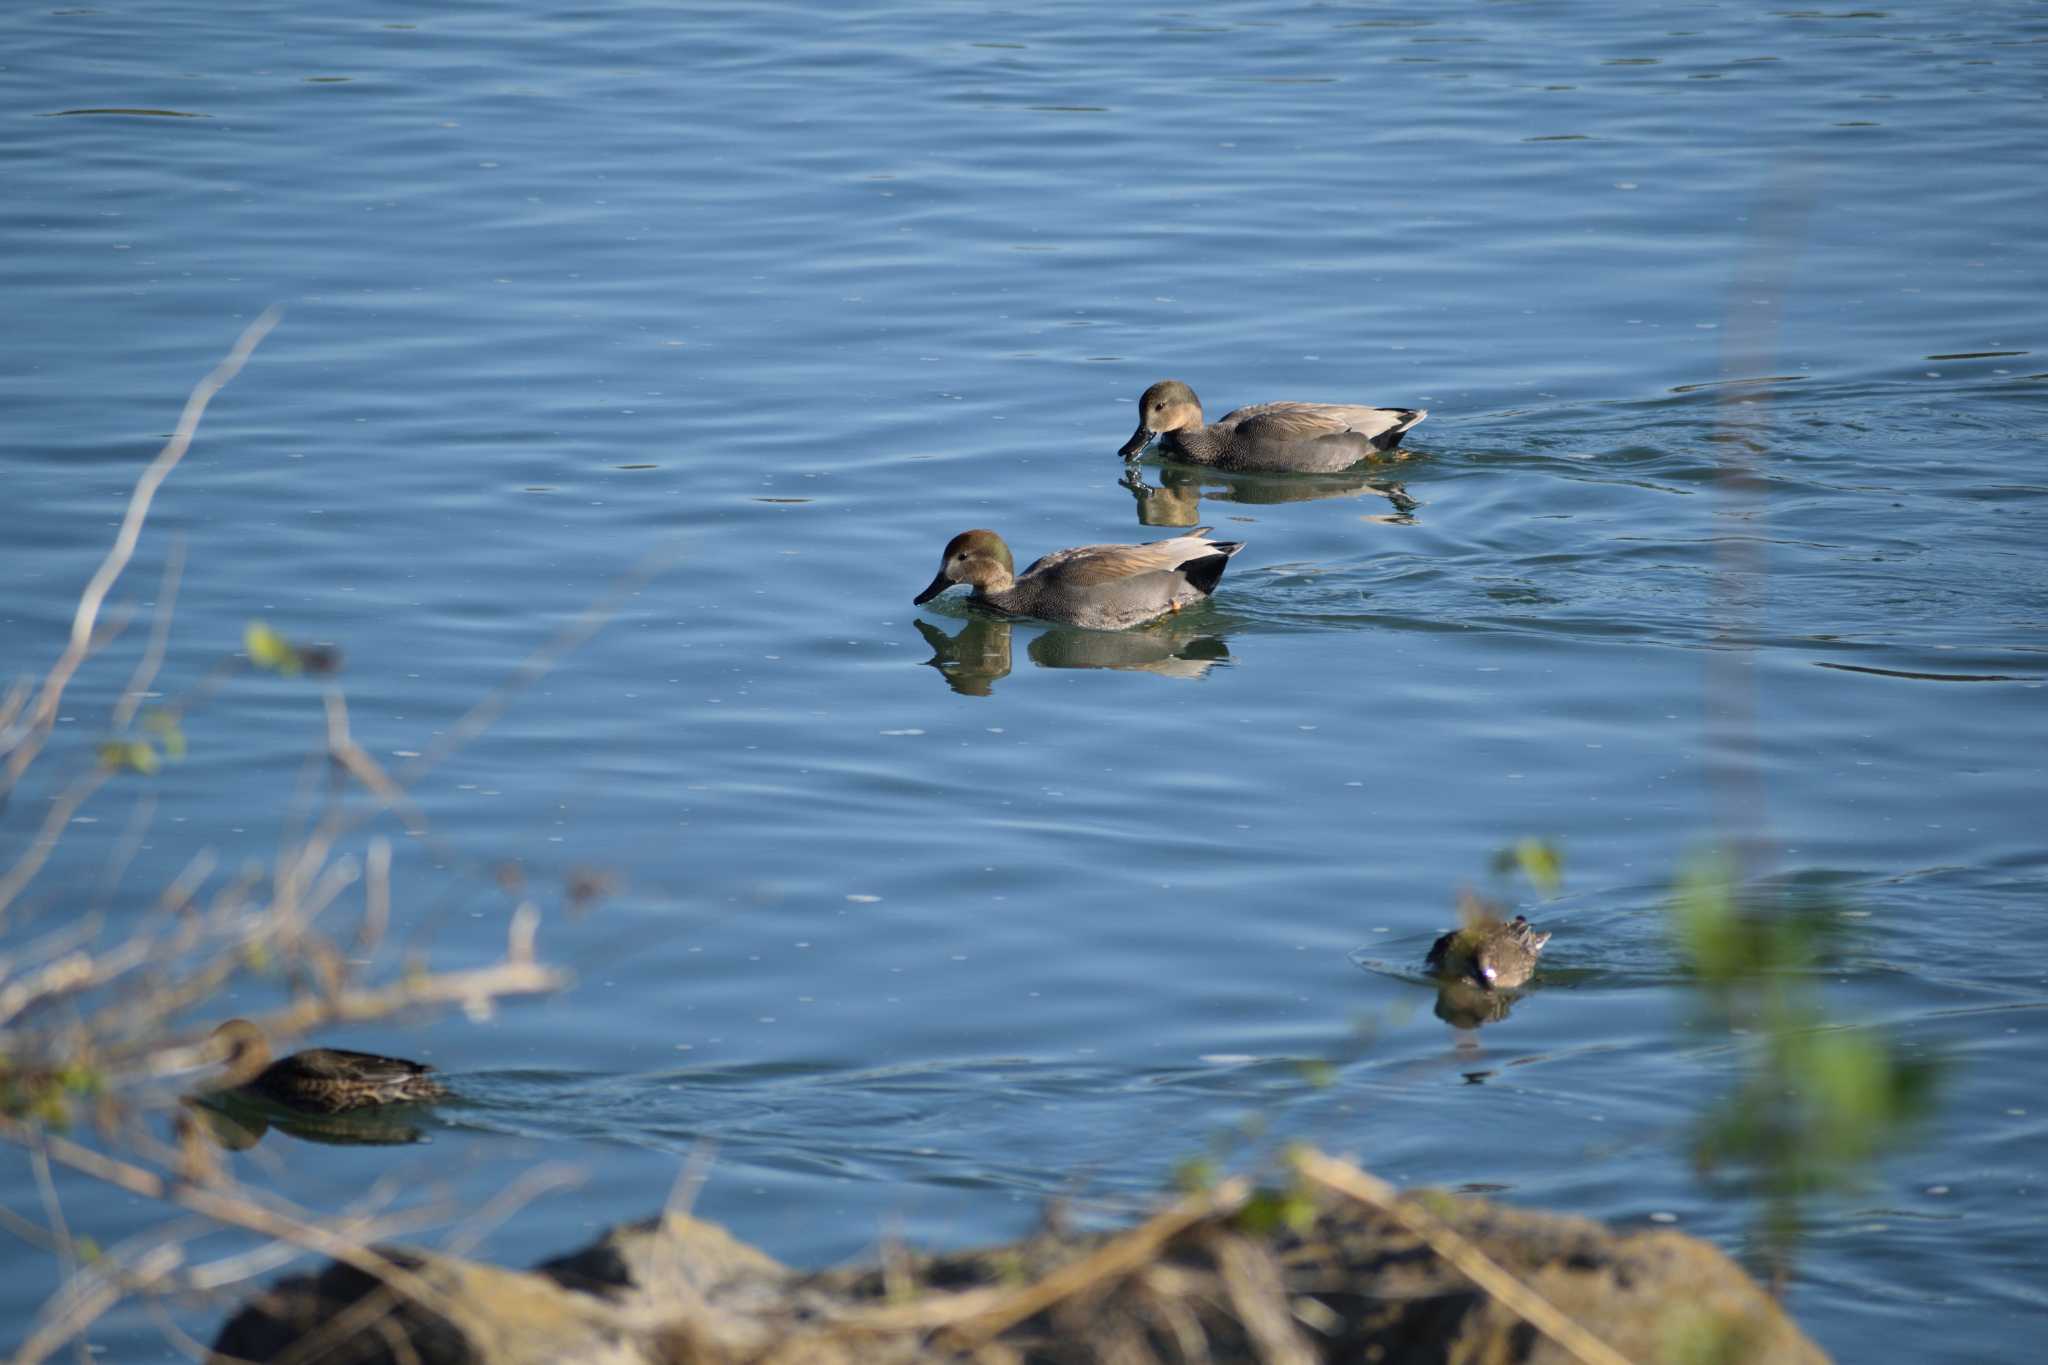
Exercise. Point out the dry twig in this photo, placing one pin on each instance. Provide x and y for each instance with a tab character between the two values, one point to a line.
1447	1242
235	1209
43	715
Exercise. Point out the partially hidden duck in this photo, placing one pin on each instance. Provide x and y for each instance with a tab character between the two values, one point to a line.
321	1079
1488	953
1099	587
1300	438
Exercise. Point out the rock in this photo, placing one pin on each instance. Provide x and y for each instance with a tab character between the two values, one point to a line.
482	1315
1208	1280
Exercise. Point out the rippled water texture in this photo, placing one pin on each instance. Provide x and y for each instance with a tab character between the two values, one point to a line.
1728	518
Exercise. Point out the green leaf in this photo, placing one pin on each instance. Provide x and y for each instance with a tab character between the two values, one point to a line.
164	725
1268	1211
1541	863
48	1106
83	1079
138	755
1816	1103
267	649
1709	928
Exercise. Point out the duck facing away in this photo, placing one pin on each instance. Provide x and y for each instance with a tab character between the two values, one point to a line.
1098	587
322	1079
1491	955
1299	438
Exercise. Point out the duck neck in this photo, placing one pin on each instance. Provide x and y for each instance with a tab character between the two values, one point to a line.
992	578
1196	444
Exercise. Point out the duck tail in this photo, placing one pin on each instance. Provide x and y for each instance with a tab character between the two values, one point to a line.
1391	437
1206	572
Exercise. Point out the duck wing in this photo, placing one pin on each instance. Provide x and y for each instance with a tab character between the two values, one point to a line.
340	1064
1093	565
1290	423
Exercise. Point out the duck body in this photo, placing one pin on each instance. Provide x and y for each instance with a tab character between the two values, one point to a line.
1488	953
322	1080
1097	587
1298	438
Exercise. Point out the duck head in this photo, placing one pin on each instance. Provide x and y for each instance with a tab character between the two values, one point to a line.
976	557
242	1050
1508	958
1167	406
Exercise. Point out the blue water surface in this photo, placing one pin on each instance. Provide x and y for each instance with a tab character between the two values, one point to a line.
1727	522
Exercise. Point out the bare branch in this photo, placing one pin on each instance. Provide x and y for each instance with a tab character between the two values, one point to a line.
376	895
67	975
44	715
159	637
536	665
60	1231
45	842
472	990
123	1036
682	1195
530	1186
139	821
236	1210
86	1297
365	769
35	1234
18	693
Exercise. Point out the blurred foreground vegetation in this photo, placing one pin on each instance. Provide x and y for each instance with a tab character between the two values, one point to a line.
1816	1101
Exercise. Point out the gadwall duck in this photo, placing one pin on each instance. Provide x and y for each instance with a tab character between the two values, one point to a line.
1299	438
1099	587
322	1079
1491	955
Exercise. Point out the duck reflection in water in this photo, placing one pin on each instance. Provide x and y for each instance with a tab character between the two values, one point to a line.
236	1122
1178	499
1463	1005
975	659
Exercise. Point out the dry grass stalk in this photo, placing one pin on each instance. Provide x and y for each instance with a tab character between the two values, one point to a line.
1258	1296
229	1205
1469	1260
968	1321
1116	1259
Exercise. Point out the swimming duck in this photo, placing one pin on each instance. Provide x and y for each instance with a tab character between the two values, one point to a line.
1490	954
1302	438
1100	587
322	1079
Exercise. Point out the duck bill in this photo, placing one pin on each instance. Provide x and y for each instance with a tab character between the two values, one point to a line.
937	586
1139	440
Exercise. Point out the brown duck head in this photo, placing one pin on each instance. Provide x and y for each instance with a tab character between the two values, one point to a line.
242	1049
976	557
1167	406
